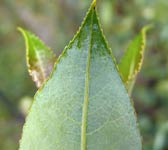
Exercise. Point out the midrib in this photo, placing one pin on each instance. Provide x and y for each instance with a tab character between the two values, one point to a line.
86	96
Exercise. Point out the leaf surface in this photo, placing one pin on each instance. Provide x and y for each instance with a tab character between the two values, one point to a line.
84	105
40	59
131	62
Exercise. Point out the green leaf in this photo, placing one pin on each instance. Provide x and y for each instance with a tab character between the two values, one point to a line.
40	59
131	62
84	105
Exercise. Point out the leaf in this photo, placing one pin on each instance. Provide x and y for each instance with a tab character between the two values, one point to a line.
131	62
40	59
84	104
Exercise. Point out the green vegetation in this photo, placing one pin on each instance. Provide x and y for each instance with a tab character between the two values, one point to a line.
40	59
84	102
55	22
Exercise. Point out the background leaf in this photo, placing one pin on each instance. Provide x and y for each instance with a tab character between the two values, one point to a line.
40	59
131	62
84	104
161	137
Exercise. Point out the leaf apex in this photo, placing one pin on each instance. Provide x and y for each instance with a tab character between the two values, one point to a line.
147	27
93	5
21	30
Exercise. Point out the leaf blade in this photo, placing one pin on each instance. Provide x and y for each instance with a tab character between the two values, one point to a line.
84	110
40	59
131	62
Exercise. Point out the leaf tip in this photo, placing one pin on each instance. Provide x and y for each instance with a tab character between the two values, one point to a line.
93	5
147	27
20	29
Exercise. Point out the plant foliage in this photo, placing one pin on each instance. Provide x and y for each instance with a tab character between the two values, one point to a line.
40	59
84	104
131	62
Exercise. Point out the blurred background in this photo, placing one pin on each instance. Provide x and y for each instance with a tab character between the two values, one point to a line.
55	22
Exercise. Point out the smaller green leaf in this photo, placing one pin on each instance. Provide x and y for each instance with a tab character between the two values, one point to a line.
40	59
131	62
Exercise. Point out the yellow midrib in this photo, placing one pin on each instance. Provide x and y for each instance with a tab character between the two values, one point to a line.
86	96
